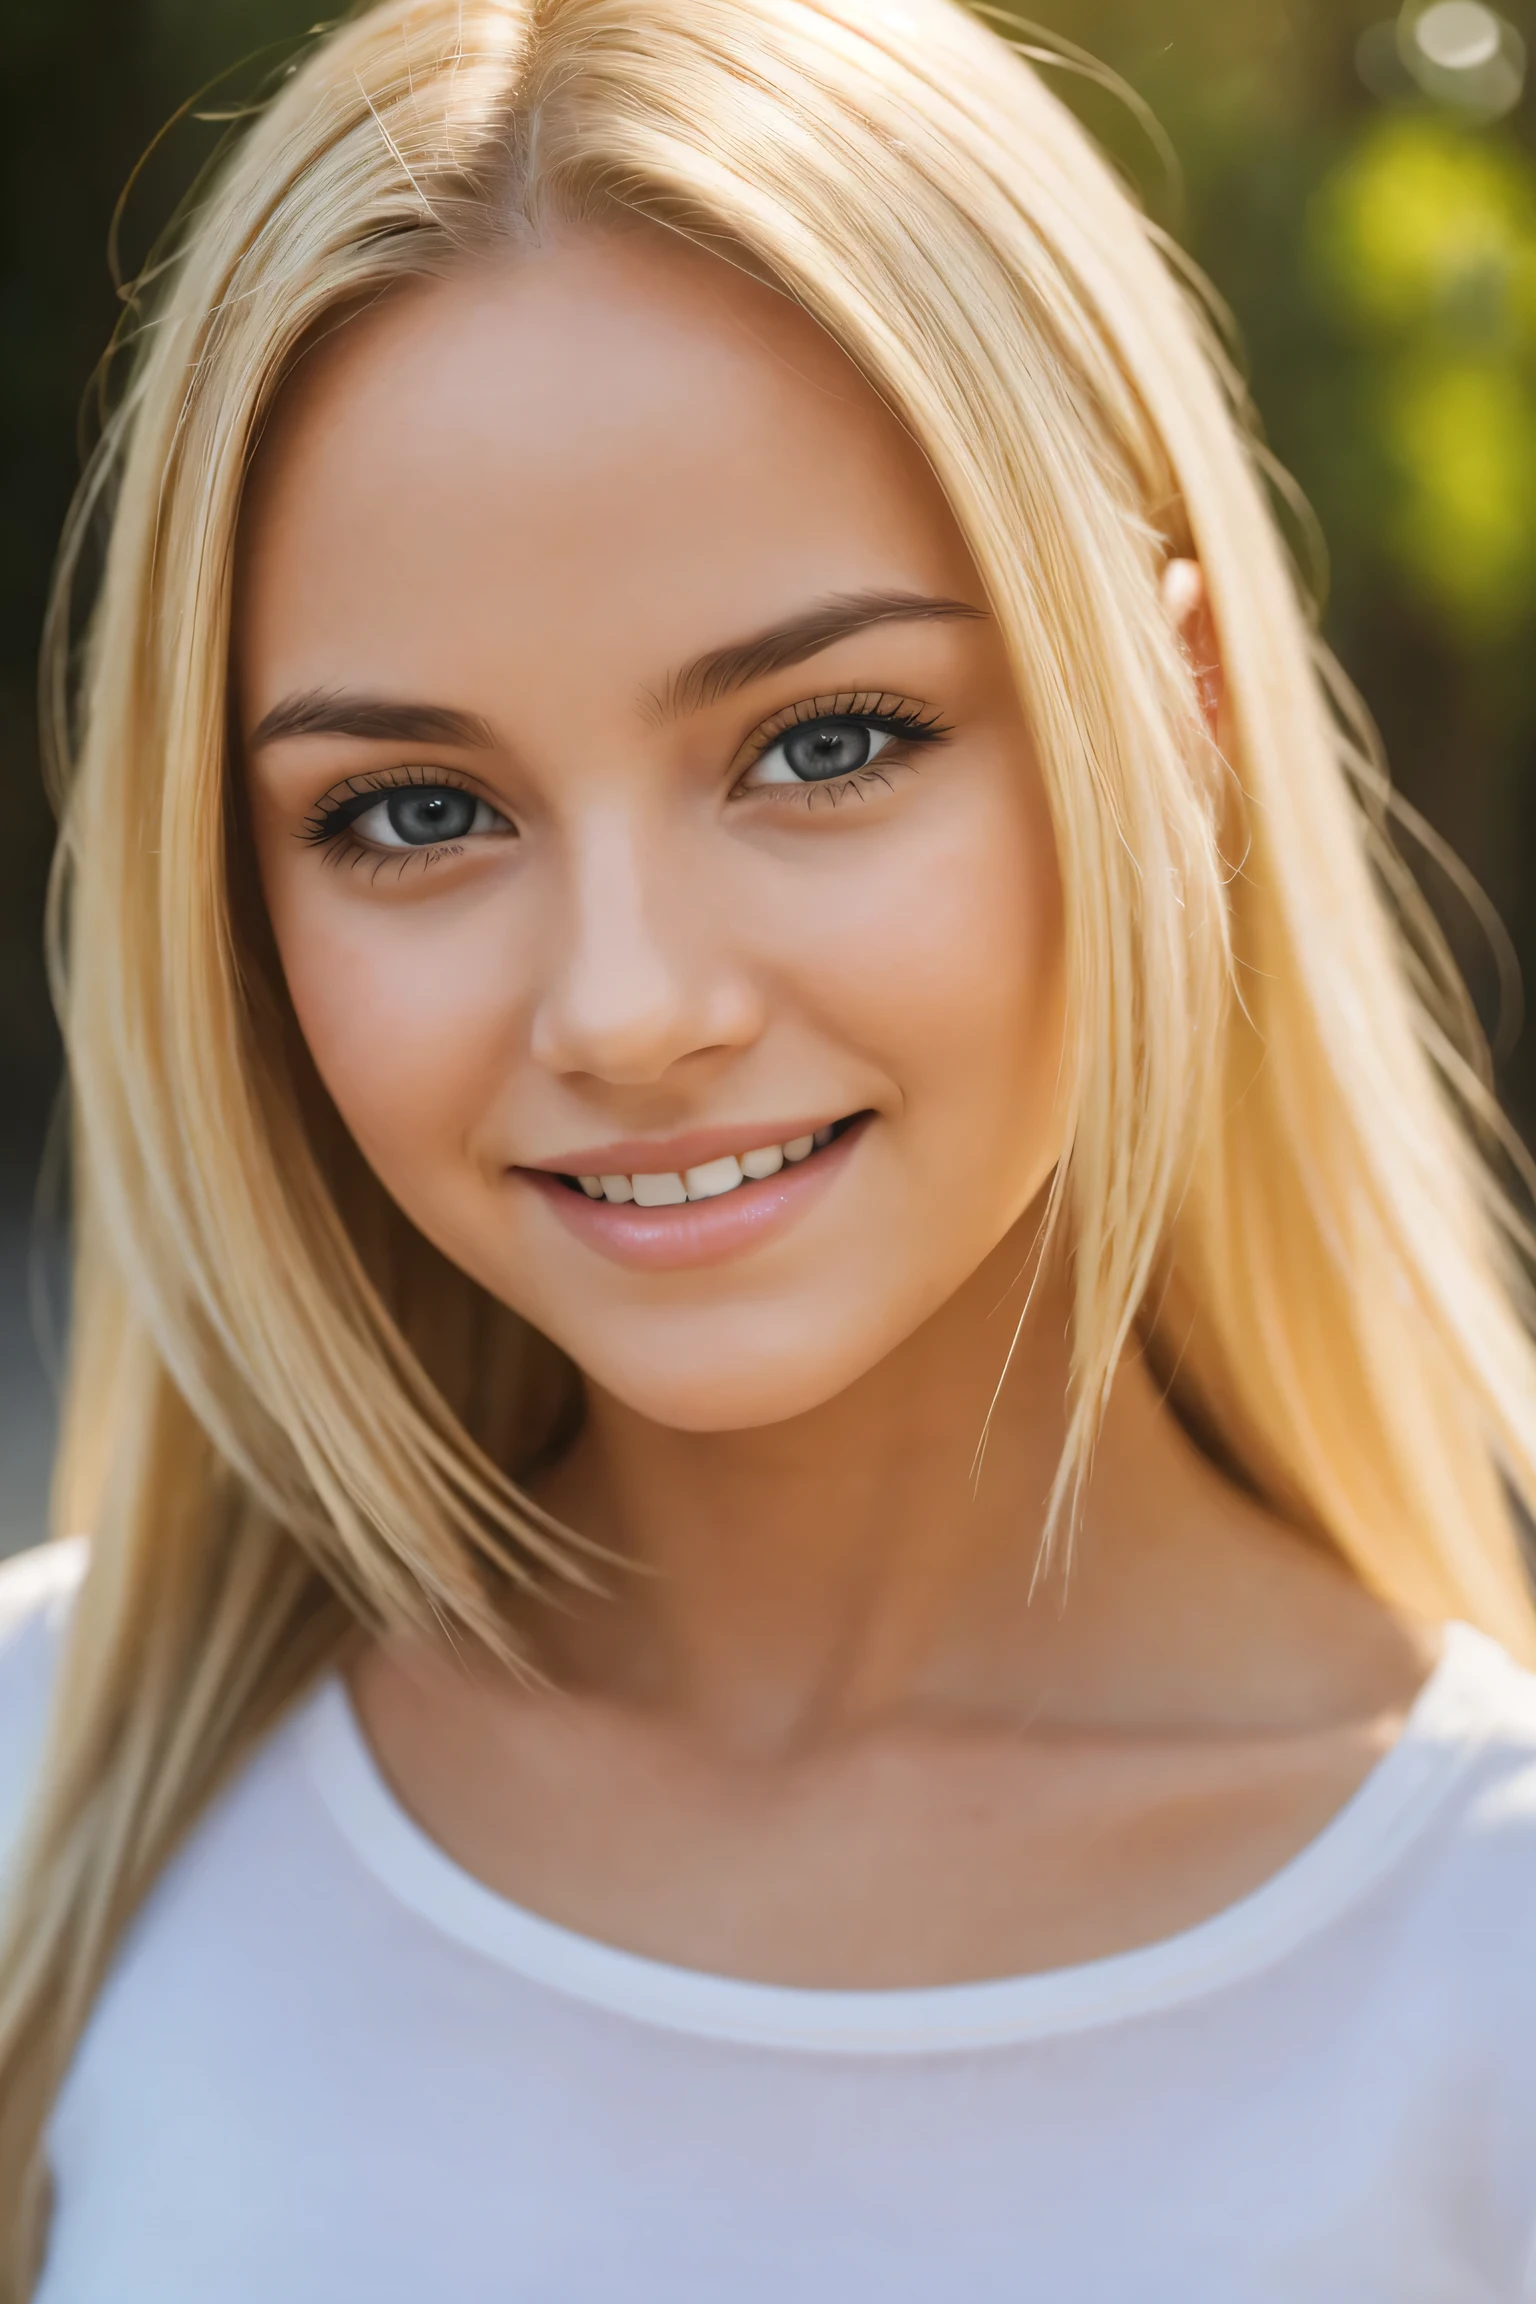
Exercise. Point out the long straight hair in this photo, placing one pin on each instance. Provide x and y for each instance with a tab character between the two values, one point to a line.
286	1422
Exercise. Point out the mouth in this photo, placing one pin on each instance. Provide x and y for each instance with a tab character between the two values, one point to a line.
704	1212
709	1179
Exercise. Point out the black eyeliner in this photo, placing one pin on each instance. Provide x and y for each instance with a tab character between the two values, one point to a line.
331	816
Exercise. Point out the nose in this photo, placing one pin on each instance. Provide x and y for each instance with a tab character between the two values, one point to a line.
643	974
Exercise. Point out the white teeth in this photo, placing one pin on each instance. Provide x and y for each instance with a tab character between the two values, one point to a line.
659	1191
713	1178
709	1179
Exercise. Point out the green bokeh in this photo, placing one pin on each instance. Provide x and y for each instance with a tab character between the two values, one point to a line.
1423	241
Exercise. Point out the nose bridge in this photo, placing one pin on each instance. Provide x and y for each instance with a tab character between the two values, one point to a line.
639	980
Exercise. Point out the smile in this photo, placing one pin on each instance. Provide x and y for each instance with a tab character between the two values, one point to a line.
704	1211
711	1179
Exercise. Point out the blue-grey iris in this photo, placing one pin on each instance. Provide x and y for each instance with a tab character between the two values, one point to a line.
827	748
432	814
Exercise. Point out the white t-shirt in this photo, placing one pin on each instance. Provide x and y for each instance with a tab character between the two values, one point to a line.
329	2065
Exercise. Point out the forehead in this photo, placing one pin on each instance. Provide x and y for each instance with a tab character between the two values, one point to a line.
616	429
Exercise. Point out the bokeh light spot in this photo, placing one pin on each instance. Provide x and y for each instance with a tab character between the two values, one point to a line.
1458	35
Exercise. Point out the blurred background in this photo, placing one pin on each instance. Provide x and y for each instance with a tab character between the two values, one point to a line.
1359	185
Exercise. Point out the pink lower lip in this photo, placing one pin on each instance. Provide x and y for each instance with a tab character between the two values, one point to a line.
702	1231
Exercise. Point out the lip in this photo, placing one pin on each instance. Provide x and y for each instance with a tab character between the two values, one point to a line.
699	1232
670	1155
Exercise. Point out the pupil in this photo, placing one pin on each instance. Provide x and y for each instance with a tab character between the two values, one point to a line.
827	748
422	817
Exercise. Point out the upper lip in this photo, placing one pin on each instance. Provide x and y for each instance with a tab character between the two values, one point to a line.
670	1155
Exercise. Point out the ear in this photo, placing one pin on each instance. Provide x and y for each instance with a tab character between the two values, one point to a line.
1189	612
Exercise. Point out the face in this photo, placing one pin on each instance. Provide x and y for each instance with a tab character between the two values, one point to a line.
650	829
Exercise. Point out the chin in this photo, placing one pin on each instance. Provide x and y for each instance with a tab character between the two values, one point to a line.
706	1396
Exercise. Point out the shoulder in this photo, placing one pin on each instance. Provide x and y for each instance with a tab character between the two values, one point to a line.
1466	1771
36	1592
1452	1966
1481	1706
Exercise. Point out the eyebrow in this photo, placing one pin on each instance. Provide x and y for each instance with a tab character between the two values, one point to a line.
710	677
341	712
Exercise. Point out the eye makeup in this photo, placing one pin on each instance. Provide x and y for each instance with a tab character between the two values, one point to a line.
420	811
831	744
827	745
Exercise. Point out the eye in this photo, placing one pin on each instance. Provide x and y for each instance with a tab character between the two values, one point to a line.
818	751
418	816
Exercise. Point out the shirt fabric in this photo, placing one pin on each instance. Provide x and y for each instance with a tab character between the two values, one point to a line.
329	2065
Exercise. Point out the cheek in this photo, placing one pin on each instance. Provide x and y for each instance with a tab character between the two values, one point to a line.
409	1012
947	963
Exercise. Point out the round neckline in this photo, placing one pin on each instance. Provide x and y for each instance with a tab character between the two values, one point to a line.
1361	1842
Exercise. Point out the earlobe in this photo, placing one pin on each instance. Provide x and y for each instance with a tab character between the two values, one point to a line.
1189	610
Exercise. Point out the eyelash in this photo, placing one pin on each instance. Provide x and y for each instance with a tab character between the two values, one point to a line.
909	724
328	826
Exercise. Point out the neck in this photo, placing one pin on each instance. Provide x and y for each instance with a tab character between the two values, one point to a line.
853	1562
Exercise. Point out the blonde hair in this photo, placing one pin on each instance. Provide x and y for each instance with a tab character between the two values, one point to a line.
284	1424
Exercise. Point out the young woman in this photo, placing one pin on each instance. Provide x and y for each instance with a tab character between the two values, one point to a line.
797	1383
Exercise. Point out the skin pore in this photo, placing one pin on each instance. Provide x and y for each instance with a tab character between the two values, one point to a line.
638	782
